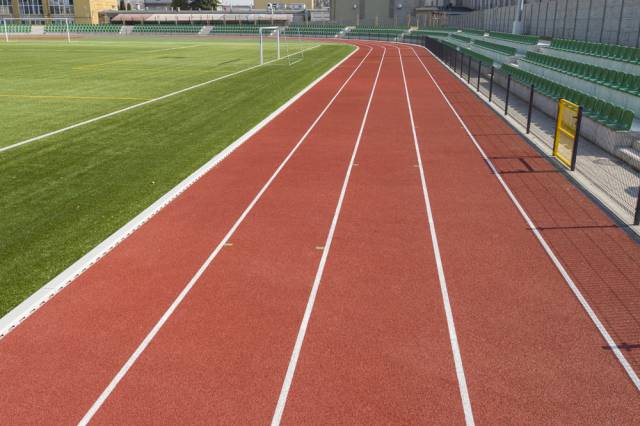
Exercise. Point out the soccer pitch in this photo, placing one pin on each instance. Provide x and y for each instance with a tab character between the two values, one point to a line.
64	194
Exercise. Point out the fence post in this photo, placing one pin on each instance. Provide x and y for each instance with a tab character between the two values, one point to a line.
469	71
479	71
491	83
530	108
636	219
455	60
574	154
461	63
506	101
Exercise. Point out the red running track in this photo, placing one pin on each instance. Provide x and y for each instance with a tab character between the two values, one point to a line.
325	296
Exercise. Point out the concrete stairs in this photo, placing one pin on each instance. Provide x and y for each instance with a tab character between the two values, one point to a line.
631	154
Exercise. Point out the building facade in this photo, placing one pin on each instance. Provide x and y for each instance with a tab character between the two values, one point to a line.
375	12
281	4
80	11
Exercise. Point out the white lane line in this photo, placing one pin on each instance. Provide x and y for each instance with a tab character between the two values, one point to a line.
293	361
574	288
165	317
453	337
138	105
34	302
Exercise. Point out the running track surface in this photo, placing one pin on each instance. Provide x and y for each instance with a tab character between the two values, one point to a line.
371	270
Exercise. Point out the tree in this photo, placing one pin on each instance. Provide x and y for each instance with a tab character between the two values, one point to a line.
122	6
128	6
205	4
180	4
195	4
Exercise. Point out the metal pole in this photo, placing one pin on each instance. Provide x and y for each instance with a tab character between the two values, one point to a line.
636	219
6	31
491	83
278	42
261	46
66	21
530	108
461	63
574	154
506	101
469	72
479	71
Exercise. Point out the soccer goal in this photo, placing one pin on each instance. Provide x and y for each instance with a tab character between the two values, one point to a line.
269	44
280	43
24	28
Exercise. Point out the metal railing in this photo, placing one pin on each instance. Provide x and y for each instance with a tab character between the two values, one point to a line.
537	114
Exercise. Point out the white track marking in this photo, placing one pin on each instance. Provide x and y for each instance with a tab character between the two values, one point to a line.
138	105
453	337
293	362
46	292
576	291
165	317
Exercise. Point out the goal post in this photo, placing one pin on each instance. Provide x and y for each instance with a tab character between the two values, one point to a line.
268	34
294	49
23	28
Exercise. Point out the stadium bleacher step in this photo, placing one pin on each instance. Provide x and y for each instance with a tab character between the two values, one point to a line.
636	145
630	156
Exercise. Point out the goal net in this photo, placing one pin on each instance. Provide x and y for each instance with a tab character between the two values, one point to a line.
269	44
12	29
280	43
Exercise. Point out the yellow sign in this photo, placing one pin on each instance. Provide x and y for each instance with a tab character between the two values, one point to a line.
566	129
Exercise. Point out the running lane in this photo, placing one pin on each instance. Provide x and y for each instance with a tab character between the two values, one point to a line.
531	352
56	363
223	353
377	350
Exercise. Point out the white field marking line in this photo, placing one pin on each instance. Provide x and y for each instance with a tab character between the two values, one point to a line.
297	348
576	291
453	336
165	317
46	292
138	105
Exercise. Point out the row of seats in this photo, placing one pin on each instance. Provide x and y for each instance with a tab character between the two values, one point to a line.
507	50
515	38
161	28
320	26
628	83
609	51
18	28
610	115
461	38
468	52
474	32
375	30
235	29
429	33
315	31
82	28
381	27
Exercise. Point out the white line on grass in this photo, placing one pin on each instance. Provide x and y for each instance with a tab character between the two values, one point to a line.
453	337
46	292
165	317
574	288
297	348
138	105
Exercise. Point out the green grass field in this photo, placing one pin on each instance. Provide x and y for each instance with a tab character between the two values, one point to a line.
63	195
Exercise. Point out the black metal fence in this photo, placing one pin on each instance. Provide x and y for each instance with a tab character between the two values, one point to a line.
537	114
